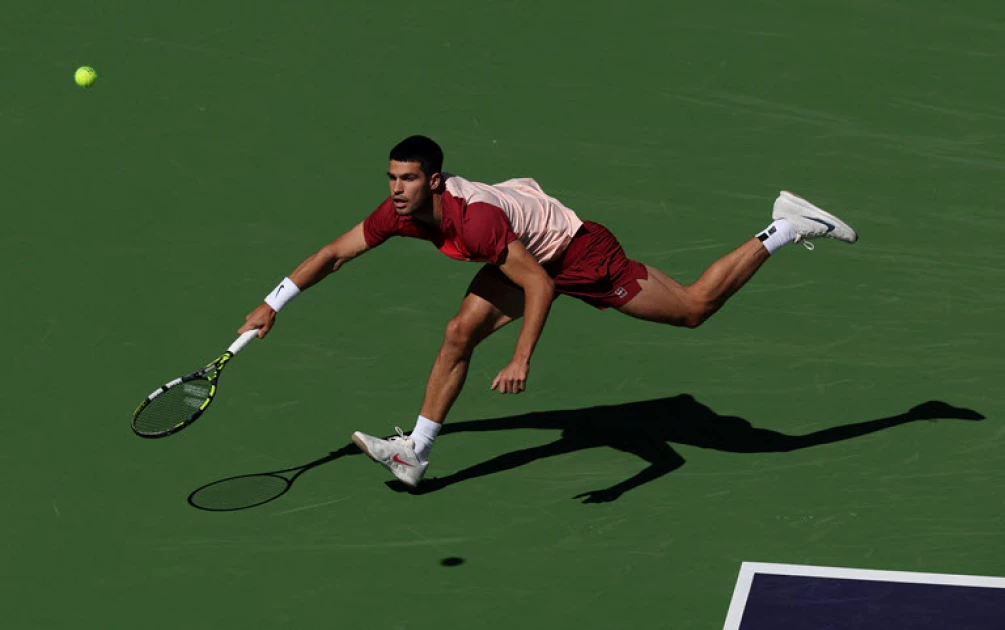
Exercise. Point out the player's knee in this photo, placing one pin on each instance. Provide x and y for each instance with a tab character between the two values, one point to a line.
693	319
460	334
699	308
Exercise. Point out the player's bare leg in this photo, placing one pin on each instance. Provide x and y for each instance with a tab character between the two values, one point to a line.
491	303
665	300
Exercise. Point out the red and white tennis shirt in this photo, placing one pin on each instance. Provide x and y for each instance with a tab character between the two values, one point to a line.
480	220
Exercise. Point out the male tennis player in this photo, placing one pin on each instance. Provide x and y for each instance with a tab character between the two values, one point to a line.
533	249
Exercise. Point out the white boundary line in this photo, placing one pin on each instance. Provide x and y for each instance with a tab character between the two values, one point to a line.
749	569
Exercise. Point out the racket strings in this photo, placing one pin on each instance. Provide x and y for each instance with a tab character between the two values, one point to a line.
173	407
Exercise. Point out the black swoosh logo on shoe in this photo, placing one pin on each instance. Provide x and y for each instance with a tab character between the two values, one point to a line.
830	226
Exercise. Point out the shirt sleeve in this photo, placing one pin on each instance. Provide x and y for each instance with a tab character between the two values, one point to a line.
487	232
381	225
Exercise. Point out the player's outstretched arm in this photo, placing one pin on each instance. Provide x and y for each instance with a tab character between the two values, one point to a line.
317	267
539	291
330	258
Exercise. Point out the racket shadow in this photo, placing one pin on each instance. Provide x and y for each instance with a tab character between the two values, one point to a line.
242	492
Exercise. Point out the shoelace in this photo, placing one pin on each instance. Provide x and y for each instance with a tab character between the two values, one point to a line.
807	244
401	437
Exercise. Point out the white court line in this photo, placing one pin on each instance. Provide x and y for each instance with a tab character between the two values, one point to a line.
739	602
749	569
310	507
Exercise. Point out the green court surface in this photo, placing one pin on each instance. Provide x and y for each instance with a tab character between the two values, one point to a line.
225	141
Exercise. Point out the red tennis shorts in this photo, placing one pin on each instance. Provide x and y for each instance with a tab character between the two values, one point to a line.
595	269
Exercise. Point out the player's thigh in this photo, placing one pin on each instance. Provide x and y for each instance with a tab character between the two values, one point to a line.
662	299
492	301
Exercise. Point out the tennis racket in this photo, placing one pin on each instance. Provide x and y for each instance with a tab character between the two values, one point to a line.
177	404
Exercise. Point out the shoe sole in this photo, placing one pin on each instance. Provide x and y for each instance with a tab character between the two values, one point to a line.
362	446
802	203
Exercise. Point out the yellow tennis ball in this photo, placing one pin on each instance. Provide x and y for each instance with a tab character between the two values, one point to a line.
85	76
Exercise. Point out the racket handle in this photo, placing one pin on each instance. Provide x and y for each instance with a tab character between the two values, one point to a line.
242	341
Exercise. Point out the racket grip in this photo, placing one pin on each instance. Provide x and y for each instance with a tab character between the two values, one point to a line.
242	341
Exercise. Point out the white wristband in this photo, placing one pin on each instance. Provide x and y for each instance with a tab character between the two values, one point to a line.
282	295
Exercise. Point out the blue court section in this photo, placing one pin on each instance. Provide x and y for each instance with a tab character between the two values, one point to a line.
801	602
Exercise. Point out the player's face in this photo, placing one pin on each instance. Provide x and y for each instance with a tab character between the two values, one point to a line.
410	188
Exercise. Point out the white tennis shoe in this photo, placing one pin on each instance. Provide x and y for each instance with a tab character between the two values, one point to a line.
396	454
810	221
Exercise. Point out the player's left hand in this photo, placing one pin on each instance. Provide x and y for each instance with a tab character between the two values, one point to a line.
512	379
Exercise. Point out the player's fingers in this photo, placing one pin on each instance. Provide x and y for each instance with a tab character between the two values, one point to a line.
495	382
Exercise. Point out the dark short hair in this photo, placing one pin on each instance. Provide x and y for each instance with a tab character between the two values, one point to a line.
419	149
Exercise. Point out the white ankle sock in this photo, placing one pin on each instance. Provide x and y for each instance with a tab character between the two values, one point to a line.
424	434
777	235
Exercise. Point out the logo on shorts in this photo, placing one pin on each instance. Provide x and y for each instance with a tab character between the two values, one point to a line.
621	292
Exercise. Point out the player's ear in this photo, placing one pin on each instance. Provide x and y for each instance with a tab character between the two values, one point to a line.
435	181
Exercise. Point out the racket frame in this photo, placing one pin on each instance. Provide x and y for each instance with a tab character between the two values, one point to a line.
214	367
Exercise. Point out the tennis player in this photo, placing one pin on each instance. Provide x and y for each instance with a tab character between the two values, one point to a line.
532	249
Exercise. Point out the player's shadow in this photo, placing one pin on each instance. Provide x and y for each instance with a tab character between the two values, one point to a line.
645	428
641	428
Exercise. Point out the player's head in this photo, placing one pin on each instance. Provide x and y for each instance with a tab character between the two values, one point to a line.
419	149
414	173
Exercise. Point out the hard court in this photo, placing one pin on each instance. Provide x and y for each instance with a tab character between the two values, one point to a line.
844	409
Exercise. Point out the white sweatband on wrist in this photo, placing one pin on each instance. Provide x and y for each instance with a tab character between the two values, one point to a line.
282	295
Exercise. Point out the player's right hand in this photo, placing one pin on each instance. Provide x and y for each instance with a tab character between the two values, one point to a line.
262	318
